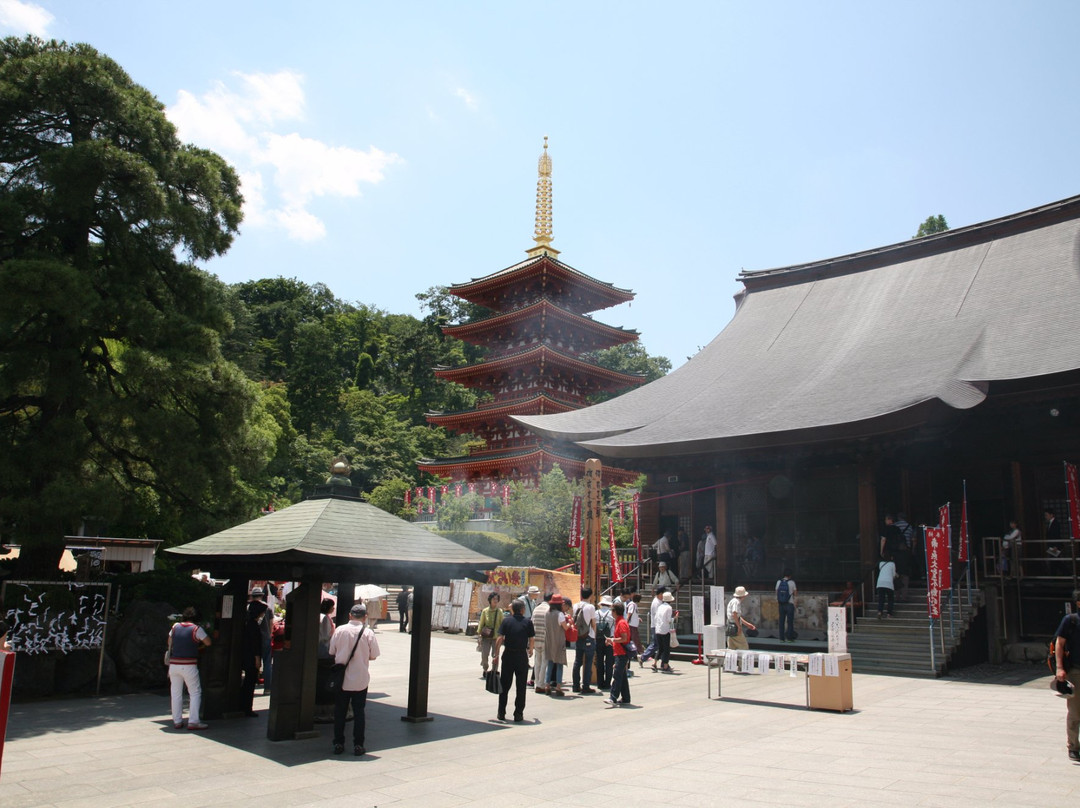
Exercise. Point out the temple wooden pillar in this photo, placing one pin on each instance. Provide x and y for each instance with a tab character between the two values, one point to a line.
723	542
292	698
869	532
420	655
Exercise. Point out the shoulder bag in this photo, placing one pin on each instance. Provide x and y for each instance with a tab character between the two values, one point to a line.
337	673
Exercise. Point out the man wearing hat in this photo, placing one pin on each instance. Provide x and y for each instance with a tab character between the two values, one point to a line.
734	615
539	621
263	615
353	646
1066	651
665	625
530	600
665	577
605	654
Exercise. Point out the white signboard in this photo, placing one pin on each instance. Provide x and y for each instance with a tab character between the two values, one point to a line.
837	630
717	605
698	607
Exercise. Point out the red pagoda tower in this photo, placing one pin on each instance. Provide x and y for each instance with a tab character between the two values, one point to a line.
537	342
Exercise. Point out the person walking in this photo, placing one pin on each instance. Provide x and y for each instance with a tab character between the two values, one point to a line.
605	627
650	651
185	640
665	625
886	584
403	609
355	647
517	637
633	618
738	642
585	647
1066	650
785	600
620	684
539	621
487	629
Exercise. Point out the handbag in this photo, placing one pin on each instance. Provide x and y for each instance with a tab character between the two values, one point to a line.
674	640
337	673
731	629
493	683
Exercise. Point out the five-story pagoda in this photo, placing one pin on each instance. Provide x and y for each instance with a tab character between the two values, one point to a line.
539	342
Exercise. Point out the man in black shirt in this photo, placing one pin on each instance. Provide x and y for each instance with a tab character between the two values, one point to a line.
1066	650
516	633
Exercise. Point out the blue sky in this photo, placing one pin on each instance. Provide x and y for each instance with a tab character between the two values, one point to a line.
390	147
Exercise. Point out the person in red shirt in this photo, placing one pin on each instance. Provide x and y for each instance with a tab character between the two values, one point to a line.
620	636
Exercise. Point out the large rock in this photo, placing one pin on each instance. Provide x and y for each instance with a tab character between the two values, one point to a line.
139	643
77	671
34	675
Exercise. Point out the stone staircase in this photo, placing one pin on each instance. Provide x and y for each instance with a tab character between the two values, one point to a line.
900	646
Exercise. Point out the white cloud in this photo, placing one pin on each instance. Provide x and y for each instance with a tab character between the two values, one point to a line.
25	18
281	172
467	97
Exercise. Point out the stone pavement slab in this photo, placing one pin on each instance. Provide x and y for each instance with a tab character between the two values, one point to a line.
992	737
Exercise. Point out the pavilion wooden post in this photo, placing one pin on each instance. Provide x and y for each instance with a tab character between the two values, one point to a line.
420	656
292	700
590	545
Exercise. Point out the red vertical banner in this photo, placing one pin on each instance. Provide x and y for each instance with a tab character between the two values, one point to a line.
419	492
622	511
445	491
616	572
408	497
937	568
637	525
431	499
574	539
962	550
457	490
1073	487
506	494
7	674
472	488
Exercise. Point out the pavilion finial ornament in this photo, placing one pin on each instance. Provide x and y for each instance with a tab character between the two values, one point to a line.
542	233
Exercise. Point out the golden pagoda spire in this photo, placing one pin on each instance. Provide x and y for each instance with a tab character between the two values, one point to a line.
542	232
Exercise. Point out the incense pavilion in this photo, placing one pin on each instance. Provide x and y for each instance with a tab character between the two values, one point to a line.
539	340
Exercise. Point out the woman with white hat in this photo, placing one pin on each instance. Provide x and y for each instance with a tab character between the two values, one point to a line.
734	616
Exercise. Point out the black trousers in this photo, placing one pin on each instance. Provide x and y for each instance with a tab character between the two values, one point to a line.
247	687
358	699
663	649
515	669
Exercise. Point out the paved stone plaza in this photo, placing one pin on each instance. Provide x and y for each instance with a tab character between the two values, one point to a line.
971	740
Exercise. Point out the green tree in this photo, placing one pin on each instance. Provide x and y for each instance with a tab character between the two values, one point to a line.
454	512
115	400
541	518
390	497
631	358
933	224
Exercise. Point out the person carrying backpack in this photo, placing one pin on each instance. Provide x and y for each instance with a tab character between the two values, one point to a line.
585	647
785	599
605	625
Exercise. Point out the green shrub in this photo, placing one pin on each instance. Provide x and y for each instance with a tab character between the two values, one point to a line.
496	545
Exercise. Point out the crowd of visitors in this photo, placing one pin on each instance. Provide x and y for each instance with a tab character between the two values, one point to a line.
537	632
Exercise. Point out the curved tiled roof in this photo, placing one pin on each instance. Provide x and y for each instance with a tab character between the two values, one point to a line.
469	332
861	344
536	354
335	531
481	290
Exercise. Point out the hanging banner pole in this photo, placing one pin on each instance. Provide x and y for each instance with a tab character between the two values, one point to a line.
1072	489
933	663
